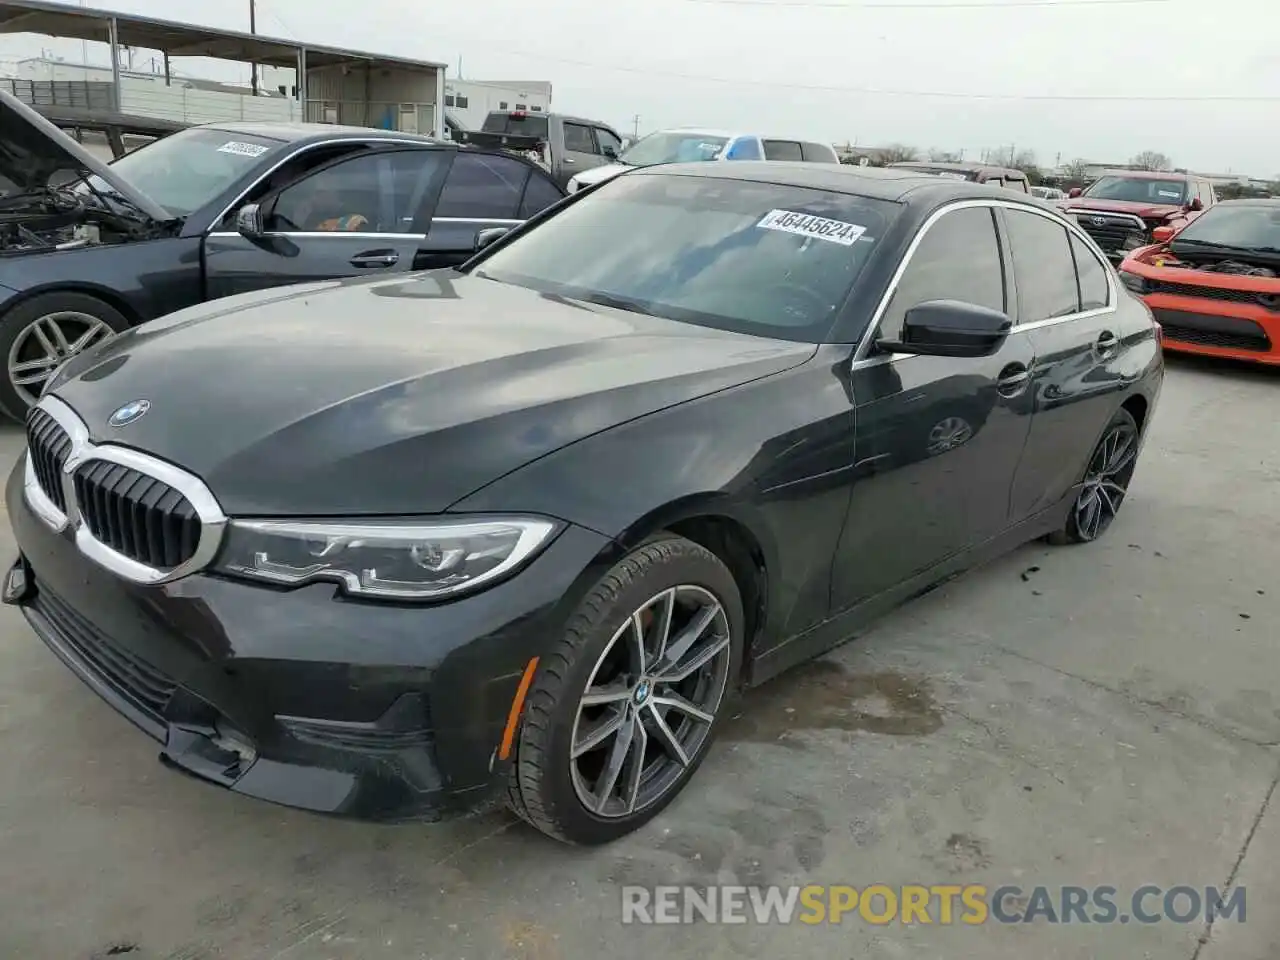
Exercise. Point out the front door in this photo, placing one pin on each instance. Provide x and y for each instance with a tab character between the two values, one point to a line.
357	216
938	439
1067	305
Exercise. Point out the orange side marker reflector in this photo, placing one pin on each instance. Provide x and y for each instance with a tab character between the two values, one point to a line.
517	706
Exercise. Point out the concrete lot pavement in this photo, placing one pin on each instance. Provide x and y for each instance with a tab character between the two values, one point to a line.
1094	715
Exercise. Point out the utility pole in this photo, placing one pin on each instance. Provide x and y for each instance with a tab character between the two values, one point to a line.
253	28
635	126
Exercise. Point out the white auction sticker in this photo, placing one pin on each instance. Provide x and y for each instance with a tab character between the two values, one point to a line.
808	225
1171	194
243	149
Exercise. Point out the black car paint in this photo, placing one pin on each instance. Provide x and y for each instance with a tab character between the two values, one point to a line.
206	258
810	470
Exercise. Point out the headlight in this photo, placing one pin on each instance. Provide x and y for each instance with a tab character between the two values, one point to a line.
574	184
384	559
1135	283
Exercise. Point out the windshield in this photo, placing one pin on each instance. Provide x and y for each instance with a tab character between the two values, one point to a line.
517	124
1245	227
1139	190
186	170
673	147
758	258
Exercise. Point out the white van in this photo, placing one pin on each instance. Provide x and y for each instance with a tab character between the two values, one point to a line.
686	145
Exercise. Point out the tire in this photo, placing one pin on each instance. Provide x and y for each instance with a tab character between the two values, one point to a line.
1105	484
549	788
83	320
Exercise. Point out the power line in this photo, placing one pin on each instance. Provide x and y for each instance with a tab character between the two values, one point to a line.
965	5
892	92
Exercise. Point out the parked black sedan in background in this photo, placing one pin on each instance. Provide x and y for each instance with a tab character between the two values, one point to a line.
525	528
87	250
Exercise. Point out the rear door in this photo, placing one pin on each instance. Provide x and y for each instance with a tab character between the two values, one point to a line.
783	150
355	216
580	150
1066	303
481	191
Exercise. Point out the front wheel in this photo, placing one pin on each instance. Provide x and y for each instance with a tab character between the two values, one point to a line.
623	709
1106	482
39	334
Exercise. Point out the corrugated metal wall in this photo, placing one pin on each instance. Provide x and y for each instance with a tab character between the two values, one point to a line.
385	97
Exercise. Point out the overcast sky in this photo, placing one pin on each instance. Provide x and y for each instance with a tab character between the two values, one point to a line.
931	73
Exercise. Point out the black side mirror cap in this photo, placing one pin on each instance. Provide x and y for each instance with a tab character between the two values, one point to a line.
249	221
950	328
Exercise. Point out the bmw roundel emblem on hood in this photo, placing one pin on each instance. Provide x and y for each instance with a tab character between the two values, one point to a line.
131	411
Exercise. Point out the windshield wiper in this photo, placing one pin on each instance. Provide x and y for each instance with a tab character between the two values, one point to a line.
608	300
1212	244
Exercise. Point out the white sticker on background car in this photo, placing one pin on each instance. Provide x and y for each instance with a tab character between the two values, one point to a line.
243	149
1171	194
808	225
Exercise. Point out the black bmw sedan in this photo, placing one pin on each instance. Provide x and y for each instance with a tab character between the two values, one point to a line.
521	531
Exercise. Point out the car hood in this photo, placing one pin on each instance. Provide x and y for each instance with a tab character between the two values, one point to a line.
32	150
600	174
1147	211
393	396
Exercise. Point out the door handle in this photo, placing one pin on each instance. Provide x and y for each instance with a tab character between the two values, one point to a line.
376	258
1013	380
568	160
1105	345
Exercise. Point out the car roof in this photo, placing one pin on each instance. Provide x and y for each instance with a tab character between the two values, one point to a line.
1148	174
290	132
957	167
879	183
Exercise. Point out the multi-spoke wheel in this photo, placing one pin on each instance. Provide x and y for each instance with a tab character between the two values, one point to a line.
622	711
38	335
1105	484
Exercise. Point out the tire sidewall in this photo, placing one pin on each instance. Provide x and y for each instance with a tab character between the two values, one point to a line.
697	567
19	317
1121	416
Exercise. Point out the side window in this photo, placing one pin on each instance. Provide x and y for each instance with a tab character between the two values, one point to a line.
292	169
1018	185
370	193
1044	267
818	153
958	259
606	138
744	148
538	195
782	150
577	138
1095	291
482	186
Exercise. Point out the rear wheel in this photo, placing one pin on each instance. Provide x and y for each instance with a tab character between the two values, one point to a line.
623	710
39	334
1106	482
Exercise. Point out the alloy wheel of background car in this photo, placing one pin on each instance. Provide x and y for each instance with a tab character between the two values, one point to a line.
1106	482
624	707
37	336
651	701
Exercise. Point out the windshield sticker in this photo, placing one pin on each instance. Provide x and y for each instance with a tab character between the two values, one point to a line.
243	149
1171	194
807	225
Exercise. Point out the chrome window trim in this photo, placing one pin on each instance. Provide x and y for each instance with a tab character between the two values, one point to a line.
334	234
212	520
1080	211
860	358
371	141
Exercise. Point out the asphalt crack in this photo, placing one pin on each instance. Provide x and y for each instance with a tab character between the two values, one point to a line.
1235	868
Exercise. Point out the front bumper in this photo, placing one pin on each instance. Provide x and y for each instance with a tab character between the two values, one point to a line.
301	697
1216	328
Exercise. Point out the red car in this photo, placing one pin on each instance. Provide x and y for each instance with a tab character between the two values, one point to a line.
1214	285
1122	208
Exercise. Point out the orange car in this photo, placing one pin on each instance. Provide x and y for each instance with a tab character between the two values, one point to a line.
1214	286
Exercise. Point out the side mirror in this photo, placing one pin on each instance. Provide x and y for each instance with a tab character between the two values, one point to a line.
488	235
950	328
1195	204
610	151
1162	234
249	221
1073	193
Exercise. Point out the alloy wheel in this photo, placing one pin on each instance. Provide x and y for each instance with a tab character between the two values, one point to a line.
46	343
1107	481
650	702
948	434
